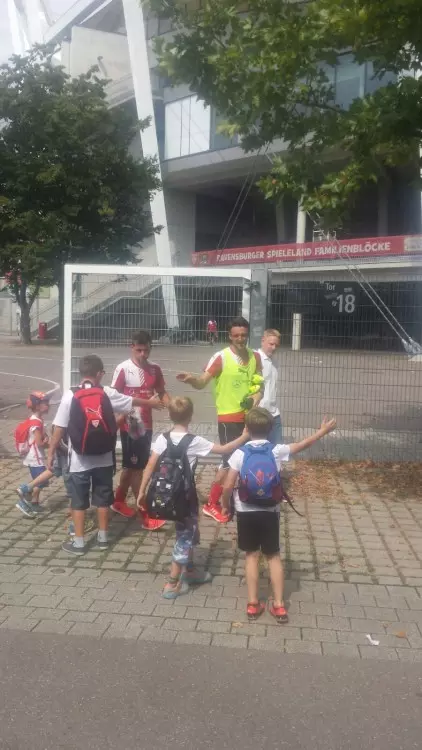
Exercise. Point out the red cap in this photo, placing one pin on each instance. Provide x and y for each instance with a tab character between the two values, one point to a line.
37	397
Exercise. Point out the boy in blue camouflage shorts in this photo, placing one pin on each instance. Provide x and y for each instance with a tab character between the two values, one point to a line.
182	571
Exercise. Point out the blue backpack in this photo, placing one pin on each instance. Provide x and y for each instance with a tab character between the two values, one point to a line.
259	479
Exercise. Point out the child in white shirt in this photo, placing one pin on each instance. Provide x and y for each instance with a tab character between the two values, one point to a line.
182	570
258	523
36	441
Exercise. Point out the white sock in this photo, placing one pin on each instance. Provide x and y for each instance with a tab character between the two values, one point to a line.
102	536
78	541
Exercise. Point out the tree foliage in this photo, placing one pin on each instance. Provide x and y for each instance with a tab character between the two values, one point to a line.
269	72
69	189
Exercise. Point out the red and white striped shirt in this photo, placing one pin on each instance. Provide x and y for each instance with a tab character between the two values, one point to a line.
139	382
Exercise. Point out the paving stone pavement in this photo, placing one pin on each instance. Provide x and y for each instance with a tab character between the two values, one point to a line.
353	567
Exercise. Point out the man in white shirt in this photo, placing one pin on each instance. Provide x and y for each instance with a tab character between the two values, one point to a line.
90	471
270	342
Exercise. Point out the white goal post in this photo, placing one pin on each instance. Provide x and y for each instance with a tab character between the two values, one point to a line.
105	304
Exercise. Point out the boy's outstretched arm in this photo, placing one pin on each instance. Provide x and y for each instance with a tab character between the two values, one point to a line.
146	478
152	403
126	403
327	425
229	485
226	450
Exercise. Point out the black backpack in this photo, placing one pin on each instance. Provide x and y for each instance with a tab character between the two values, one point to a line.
92	425
172	493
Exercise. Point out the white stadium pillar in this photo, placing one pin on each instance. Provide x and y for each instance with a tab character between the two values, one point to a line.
300	224
138	53
28	20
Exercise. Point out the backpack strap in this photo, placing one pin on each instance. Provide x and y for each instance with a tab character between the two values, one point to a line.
39	426
84	386
248	450
286	496
177	451
180	451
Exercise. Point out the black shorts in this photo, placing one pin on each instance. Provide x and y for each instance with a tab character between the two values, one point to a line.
259	530
135	453
99	480
228	431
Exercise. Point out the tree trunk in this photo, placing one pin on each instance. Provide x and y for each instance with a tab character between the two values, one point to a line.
25	318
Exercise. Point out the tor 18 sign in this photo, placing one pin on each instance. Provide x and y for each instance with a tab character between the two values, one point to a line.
340	298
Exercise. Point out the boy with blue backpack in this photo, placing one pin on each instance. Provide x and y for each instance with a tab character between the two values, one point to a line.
254	481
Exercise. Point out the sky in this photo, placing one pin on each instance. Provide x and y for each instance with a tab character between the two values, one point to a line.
5	39
58	7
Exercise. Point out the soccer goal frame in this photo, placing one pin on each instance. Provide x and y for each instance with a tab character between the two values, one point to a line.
72	271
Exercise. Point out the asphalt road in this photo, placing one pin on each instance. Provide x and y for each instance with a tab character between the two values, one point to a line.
62	693
376	397
365	390
26	369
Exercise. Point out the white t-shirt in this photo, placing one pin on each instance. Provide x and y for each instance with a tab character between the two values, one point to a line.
270	375
281	453
36	454
120	403
199	446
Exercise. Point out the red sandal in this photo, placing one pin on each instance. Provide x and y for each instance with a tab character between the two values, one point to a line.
255	610
280	614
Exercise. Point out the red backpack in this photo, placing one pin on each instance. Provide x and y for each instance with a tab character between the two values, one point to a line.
22	443
92	428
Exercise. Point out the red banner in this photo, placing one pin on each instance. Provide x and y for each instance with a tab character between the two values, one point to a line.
372	247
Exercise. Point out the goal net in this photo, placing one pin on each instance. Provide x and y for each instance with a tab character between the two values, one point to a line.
105	305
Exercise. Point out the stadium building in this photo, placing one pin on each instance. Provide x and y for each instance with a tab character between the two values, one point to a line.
204	175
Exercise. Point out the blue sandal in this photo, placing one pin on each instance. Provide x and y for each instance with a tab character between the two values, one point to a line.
180	588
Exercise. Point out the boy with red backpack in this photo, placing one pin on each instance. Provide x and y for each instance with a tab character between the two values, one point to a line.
31	440
254	471
86	413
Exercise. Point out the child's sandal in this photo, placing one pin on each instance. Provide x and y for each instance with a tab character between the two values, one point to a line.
279	613
255	610
178	589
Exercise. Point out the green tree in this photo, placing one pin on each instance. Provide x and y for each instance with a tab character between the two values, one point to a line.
269	72
69	189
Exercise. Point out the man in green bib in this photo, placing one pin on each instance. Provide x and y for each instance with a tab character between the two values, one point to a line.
233	371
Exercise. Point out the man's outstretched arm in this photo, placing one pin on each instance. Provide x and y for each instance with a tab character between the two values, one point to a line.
196	381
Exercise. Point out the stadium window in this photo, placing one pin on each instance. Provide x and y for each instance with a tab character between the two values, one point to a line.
349	81
187	126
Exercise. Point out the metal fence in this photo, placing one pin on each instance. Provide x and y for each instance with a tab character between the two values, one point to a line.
340	356
346	359
174	306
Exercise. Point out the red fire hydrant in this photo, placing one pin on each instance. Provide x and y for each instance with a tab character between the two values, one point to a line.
42	331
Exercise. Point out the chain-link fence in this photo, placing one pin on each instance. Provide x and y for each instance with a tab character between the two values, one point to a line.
341	356
174	308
